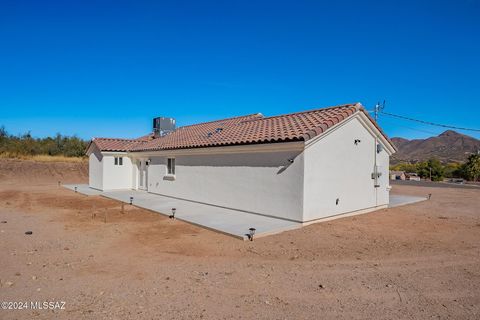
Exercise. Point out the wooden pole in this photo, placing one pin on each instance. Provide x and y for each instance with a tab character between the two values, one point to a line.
93	210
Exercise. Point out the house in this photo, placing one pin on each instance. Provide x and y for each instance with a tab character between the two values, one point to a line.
302	167
397	175
412	176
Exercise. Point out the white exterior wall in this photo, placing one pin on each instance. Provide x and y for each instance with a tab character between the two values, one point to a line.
259	182
95	169
260	179
336	168
116	177
383	192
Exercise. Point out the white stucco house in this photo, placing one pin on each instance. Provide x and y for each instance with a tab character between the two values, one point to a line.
302	167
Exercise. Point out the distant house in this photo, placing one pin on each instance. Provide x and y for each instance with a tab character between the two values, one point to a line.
397	175
412	176
301	166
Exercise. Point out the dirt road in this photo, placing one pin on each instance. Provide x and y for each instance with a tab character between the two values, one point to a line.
414	262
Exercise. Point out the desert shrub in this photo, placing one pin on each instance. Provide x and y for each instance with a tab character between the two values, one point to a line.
26	145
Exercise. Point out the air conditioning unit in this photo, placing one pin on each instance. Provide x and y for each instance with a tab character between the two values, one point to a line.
163	126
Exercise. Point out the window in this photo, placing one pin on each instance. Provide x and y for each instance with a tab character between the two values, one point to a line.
171	166
119	161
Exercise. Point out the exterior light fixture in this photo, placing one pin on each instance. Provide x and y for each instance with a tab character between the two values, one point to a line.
172	216
252	233
379	148
357	141
75	188
131	200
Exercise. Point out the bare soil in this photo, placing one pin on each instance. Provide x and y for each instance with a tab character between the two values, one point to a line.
419	261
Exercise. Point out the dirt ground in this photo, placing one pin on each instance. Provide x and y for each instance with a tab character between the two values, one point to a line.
419	261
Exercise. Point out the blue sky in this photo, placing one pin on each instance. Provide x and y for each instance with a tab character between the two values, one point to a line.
105	68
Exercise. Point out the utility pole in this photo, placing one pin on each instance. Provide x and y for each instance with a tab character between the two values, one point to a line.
378	107
376	110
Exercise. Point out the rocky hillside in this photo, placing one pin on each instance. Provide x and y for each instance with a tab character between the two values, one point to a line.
450	146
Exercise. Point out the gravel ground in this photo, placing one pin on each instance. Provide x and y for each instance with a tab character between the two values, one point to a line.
418	261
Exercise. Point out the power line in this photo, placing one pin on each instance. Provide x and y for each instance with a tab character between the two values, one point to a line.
428	122
410	128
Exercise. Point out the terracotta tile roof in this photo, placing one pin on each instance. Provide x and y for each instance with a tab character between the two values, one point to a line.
220	132
253	129
114	144
146	137
250	129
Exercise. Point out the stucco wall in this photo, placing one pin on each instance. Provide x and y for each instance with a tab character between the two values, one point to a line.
336	168
383	162
259	182
95	170
116	177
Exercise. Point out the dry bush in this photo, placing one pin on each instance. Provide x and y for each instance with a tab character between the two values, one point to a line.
42	158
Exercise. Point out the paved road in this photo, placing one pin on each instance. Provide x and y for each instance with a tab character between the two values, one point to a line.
433	184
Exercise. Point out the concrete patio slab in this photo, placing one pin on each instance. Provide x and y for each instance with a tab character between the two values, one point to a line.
227	221
231	222
83	189
397	200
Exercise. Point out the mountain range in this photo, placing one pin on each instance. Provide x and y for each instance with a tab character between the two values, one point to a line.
449	146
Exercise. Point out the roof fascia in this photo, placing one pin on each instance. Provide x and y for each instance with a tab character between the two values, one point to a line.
90	147
366	123
252	148
114	153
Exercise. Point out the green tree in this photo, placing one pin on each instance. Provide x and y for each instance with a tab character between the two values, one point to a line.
471	168
3	132
432	168
407	167
452	170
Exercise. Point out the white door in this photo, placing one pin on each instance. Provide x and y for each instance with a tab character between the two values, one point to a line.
142	175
